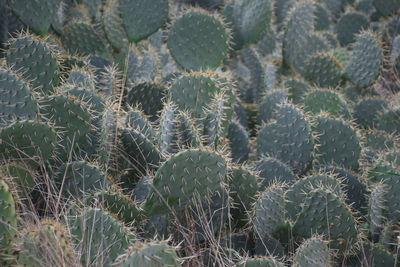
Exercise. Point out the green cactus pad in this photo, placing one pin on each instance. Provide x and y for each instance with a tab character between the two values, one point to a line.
16	99
118	204
214	121
288	139
238	142
249	19
79	178
136	120
269	211
386	174
325	213
139	153
393	157
269	104
364	6
74	121
36	62
141	18
260	262
297	89
349	25
386	8
81	78
23	177
322	17
323	70
379	141
337	142
376	209
243	189
96	231
267	44
253	86
300	24
329	101
141	64
36	14
367	111
32	141
167	132
46	244
354	187
188	135
188	41
192	92
148	95
365	60
154	254
273	170
142	189
182	177
370	254
313	252
113	25
108	140
296	194
93	7
8	222
389	121
82	39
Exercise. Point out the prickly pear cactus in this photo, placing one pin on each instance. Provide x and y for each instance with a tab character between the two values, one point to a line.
288	139
32	141
232	128
249	20
81	38
260	262
244	187
273	170
154	253
74	121
47	243
191	32
8	223
269	211
336	220
323	70
238	142
36	61
184	176
37	14
141	18
313	252
296	194
118	204
192	92
365	61
16	99
337	143
366	112
78	178
97	231
113	25
321	100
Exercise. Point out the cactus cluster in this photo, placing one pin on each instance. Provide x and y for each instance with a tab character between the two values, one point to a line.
169	133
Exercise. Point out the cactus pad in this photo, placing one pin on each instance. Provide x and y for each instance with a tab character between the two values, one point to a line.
188	174
190	33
